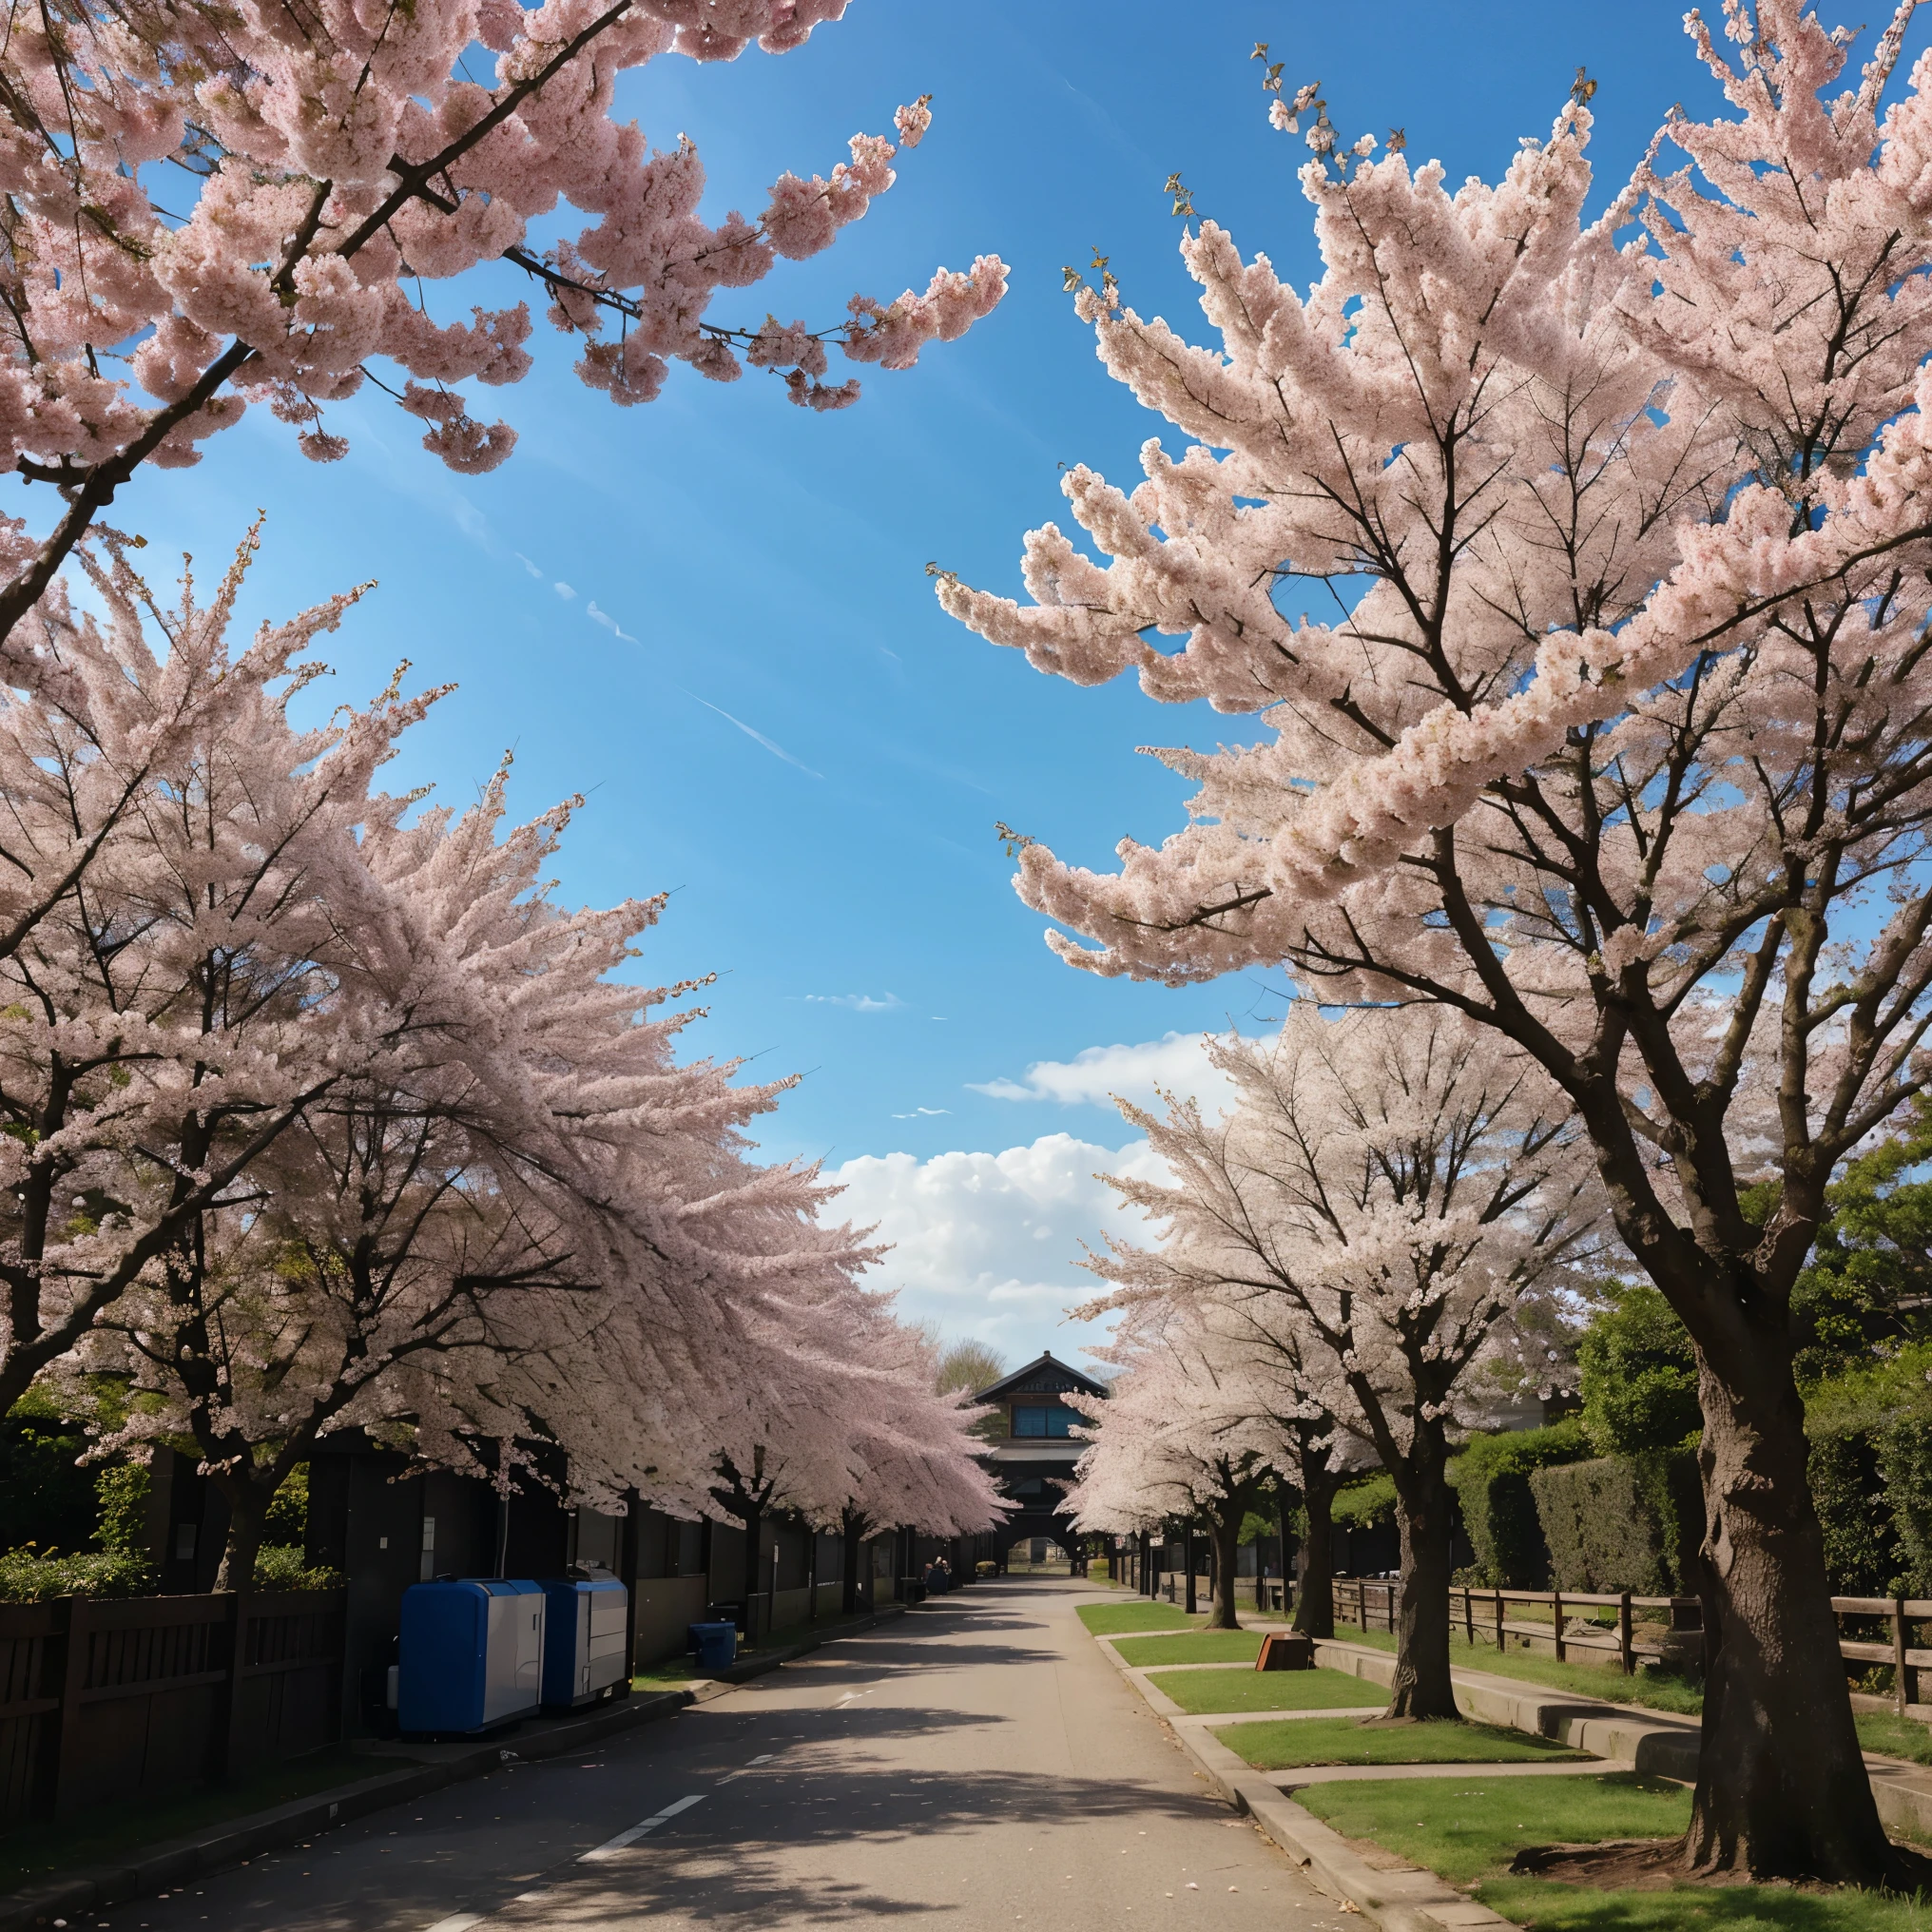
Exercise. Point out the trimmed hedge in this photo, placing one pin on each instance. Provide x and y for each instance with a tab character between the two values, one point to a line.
1904	1461
1492	1479
1861	1553
1622	1522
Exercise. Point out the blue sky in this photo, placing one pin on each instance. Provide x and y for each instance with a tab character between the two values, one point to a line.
773	720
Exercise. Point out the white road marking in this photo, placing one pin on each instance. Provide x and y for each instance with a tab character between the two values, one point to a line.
765	1759
611	1845
457	1921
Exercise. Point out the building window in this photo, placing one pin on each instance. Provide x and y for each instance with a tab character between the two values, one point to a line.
1043	1418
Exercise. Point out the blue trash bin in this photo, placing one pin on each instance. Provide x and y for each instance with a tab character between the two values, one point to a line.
716	1645
471	1655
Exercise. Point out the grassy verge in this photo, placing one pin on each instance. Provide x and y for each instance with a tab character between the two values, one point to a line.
1654	1689
1297	1741
32	1853
1471	1830
1896	1737
1210	1692
1109	1619
1191	1647
1545	1908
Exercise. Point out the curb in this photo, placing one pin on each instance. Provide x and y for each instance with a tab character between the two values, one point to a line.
1659	1747
237	1840
1403	1900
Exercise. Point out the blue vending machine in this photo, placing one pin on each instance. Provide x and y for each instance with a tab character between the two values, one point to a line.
583	1639
472	1654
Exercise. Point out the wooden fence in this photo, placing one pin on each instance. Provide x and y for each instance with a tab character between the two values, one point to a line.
104	1699
1485	1615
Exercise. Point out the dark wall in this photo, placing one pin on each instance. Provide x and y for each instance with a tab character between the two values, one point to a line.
386	1528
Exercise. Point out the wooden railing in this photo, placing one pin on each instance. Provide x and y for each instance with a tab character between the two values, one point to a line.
1491	1615
1897	1613
103	1700
1485	1615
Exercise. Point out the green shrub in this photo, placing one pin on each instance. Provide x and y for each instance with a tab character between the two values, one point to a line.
120	1491
282	1566
46	1498
30	1575
1361	1505
1622	1522
1905	1461
287	1521
1638	1375
1861	1553
1492	1479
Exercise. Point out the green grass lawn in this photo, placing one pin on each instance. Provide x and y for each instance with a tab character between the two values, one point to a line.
1213	1691
1109	1619
1192	1646
1545	1908
1654	1689
1294	1741
1471	1829
34	1852
1897	1737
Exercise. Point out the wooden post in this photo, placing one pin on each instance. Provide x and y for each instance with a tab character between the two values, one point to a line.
1187	1557
66	1755
238	1634
1499	1621
1899	1655
1625	1642
1556	1623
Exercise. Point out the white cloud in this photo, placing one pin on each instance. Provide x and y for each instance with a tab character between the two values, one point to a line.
535	569
1175	1063
608	621
989	1244
564	590
776	751
858	1003
923	1114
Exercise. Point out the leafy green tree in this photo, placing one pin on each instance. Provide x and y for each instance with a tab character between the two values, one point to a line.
972	1366
1867	1291
1639	1378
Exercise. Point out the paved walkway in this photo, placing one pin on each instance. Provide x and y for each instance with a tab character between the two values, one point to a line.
978	1764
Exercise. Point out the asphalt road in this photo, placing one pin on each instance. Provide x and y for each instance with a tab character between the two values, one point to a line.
977	1762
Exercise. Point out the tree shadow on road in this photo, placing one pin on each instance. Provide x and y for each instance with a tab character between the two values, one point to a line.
769	1853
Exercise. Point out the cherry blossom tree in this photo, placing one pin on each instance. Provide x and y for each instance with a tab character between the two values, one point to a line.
324	1112
207	208
1611	732
164	1021
1388	1191
1180	1434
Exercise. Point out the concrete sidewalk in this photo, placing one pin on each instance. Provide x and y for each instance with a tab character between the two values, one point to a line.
1394	1896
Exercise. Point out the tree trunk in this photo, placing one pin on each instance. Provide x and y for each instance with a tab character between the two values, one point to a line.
1225	1528
1315	1607
1781	1788
247	1503
1423	1687
855	1548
